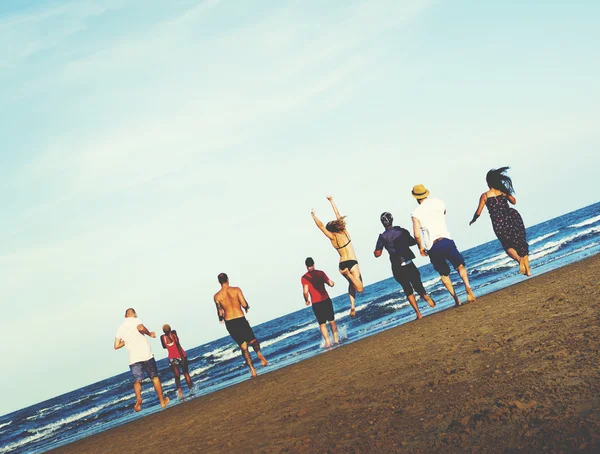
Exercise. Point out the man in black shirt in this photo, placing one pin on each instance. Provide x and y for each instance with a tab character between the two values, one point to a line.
397	241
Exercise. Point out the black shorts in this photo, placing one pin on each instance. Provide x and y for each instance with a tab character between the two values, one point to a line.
409	278
324	311
240	330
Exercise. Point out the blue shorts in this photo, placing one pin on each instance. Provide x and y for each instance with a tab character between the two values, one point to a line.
138	369
442	250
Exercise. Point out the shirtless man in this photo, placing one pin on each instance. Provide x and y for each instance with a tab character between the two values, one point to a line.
230	301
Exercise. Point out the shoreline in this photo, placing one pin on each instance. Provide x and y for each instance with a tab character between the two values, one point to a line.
518	369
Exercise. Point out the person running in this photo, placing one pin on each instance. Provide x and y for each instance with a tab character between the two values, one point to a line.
313	288
506	221
230	301
131	336
429	219
340	240
397	241
177	358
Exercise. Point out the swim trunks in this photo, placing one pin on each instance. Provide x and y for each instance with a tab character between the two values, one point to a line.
323	311
138	369
348	264
240	330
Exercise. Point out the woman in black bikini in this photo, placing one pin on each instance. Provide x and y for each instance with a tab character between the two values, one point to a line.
340	240
506	221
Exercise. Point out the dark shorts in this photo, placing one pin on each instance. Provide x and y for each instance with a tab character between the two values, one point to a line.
442	251
240	330
348	264
409	277
138	369
181	363
323	311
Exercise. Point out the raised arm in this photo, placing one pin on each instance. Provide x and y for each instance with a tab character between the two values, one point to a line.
142	329
482	201
335	210
417	234
327	233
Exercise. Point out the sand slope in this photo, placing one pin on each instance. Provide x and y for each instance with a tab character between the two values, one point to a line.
518	370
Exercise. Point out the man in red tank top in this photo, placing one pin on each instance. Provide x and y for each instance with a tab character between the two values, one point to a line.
313	287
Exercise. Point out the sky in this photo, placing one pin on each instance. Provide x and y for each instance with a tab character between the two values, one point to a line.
149	146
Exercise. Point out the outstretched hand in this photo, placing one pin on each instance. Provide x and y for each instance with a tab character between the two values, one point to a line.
330	198
423	252
312	211
471	223
152	334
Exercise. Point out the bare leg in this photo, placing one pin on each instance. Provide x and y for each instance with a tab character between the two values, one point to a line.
188	380
256	346
325	334
159	392
334	330
513	255
429	300
176	374
137	389
352	296
413	302
527	267
246	356
462	271
448	284
354	278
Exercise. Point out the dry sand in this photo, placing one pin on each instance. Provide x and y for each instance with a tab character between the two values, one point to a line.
515	371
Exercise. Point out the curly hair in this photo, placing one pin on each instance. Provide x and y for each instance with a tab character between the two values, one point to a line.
337	226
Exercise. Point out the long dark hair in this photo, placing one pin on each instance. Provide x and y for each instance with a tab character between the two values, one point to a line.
496	179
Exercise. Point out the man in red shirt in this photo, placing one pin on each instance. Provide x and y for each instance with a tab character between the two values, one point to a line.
313	286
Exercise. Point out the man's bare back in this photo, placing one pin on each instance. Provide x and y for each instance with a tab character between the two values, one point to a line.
231	300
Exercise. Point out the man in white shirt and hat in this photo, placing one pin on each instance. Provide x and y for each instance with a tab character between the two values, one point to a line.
434	240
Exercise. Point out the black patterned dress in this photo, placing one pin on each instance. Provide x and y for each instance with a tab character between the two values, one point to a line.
508	225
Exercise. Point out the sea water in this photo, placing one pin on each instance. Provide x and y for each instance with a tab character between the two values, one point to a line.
294	337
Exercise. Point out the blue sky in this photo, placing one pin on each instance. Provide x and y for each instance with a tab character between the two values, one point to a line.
149	146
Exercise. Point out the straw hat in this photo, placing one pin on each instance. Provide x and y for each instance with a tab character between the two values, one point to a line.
420	192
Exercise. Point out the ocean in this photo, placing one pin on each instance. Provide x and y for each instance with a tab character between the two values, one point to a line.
294	337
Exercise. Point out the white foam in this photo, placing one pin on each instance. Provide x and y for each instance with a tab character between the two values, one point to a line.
543	237
432	282
5	424
586	222
26	440
55	425
290	334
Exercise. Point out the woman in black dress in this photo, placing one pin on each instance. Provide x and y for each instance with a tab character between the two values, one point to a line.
507	222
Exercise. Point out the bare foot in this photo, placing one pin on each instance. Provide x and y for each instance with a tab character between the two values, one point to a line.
419	316
138	405
522	266
470	296
264	361
456	300
352	312
253	373
180	393
165	402
429	300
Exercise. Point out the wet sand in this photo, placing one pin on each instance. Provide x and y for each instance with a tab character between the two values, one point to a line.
516	371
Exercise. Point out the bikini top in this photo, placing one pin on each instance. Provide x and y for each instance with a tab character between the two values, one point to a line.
338	247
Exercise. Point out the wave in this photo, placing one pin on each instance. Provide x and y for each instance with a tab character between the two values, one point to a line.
289	334
25	441
586	222
5	424
543	237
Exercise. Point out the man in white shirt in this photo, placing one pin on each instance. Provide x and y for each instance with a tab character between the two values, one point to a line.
131	336
429	219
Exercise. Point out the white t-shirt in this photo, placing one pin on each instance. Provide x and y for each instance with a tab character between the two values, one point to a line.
136	343
431	213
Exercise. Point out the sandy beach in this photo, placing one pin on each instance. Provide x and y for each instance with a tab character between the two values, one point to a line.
516	371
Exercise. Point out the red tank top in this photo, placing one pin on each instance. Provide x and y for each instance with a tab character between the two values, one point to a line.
172	347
